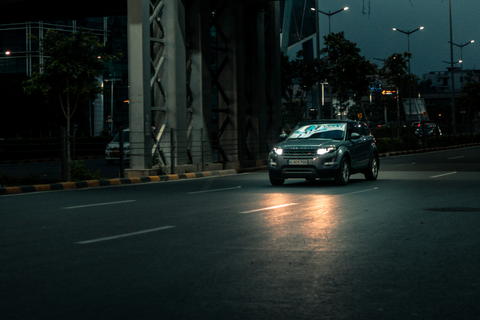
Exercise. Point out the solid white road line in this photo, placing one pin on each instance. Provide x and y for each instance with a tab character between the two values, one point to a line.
457	157
442	175
124	235
98	204
270	208
215	190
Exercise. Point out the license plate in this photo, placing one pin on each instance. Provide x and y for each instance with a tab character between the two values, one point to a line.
300	162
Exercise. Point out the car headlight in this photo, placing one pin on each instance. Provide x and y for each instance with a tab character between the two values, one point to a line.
326	150
278	151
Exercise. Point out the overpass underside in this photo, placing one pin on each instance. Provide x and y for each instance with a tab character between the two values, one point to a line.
204	83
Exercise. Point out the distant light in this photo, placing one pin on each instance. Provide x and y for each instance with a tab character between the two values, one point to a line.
313	9
346	8
421	27
394	29
126	101
472	41
460	61
99	57
8	52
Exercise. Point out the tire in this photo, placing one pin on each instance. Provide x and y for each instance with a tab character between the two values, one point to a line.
372	171
343	174
276	180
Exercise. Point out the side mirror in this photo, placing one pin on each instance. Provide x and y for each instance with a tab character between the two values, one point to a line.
283	136
354	136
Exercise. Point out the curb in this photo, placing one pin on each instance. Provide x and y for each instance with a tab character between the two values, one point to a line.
111	182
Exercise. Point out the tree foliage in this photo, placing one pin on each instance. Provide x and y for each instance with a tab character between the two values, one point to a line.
73	62
395	72
69	76
344	68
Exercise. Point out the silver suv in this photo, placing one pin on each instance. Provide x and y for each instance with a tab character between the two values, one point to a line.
325	149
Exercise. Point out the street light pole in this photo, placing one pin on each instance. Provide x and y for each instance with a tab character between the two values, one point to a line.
317	38
329	14
112	81
461	46
408	33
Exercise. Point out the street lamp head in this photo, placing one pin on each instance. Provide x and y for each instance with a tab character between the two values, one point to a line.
8	52
421	28
472	41
460	61
313	9
346	8
394	29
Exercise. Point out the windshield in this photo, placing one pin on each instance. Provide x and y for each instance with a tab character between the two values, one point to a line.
334	131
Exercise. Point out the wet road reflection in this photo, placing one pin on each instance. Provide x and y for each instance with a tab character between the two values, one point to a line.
309	225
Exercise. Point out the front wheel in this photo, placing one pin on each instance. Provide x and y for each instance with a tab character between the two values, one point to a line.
275	180
371	173
343	175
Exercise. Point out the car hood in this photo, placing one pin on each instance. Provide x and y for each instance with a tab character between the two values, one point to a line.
308	143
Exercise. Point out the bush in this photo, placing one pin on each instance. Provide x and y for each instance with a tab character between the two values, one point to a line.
81	172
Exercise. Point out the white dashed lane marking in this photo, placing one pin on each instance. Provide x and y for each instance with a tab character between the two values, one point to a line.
125	235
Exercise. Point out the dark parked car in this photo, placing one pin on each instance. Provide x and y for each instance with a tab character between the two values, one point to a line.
427	129
112	151
325	149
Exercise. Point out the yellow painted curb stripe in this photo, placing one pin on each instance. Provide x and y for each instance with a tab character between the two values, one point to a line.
42	187
13	190
135	180
93	183
69	185
114	181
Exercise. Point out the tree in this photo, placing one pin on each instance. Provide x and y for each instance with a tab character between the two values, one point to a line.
298	77
345	69
72	65
395	72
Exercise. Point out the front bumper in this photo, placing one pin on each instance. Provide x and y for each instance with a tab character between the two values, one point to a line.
325	166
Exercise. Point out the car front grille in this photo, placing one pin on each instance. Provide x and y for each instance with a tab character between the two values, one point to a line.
299	153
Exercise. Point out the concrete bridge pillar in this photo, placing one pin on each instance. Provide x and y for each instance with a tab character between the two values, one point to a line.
204	82
139	86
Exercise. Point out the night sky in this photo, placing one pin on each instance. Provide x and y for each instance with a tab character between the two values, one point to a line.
371	29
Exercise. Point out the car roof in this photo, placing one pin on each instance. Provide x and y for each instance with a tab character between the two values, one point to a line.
307	122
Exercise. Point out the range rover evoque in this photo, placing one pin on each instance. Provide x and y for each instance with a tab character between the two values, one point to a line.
325	149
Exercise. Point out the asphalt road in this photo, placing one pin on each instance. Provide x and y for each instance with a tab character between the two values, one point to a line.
403	247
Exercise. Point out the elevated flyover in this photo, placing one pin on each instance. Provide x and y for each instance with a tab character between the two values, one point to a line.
204	76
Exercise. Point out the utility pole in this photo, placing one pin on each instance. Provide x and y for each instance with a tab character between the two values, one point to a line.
452	71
